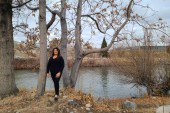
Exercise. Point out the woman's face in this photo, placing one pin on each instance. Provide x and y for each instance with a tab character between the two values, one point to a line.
55	52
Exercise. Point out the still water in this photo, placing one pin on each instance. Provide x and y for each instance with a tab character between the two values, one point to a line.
99	81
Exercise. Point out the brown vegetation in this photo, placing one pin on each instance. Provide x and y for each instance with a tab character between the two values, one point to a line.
29	63
145	67
116	58
25	102
33	63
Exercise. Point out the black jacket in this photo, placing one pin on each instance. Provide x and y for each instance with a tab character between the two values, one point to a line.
55	65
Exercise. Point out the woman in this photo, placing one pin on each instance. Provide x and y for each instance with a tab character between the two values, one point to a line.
55	66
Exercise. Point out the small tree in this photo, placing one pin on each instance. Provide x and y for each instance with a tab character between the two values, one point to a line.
104	44
143	69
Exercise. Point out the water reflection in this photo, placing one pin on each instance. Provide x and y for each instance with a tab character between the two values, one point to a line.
104	80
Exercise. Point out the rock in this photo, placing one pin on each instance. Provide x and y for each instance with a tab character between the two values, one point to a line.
73	102
88	109
129	105
163	109
154	97
88	105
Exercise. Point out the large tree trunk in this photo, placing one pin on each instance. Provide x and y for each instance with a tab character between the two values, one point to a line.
74	72
43	48
64	42
78	55
7	79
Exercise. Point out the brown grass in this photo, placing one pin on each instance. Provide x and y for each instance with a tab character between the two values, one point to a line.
24	102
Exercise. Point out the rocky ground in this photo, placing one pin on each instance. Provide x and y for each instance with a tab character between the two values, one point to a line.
71	101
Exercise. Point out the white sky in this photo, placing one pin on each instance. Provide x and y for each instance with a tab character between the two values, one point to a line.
161	6
162	9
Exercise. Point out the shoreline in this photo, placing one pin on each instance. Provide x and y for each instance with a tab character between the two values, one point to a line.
33	63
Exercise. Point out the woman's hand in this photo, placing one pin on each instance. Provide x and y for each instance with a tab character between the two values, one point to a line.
48	75
58	75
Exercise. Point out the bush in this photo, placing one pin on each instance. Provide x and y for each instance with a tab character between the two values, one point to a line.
104	44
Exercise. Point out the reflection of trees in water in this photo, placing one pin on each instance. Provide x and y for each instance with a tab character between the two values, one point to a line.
104	79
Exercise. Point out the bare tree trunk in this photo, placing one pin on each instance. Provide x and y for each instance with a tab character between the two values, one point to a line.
43	48
78	56
64	42
7	79
74	72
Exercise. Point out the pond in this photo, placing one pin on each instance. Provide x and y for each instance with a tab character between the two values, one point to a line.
99	81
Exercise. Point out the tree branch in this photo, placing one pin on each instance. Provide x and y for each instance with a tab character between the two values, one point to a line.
95	23
84	53
32	8
20	5
56	12
152	28
51	21
92	14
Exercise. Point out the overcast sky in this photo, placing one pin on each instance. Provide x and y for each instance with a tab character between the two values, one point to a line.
161	6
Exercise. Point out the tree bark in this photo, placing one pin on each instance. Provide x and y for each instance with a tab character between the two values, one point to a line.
74	72
78	56
43	48
64	42
7	78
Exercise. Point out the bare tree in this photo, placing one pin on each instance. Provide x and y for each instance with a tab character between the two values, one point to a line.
79	54
7	84
7	81
64	35
143	68
43	48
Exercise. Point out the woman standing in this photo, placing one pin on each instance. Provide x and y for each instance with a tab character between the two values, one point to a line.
55	66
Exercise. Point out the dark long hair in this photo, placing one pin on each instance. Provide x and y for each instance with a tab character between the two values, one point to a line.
57	50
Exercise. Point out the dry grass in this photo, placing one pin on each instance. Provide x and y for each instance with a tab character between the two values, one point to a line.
24	102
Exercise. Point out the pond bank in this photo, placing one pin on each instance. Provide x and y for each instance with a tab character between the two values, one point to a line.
77	102
33	63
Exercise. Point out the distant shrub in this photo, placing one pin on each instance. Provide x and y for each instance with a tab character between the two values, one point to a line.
104	44
168	49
